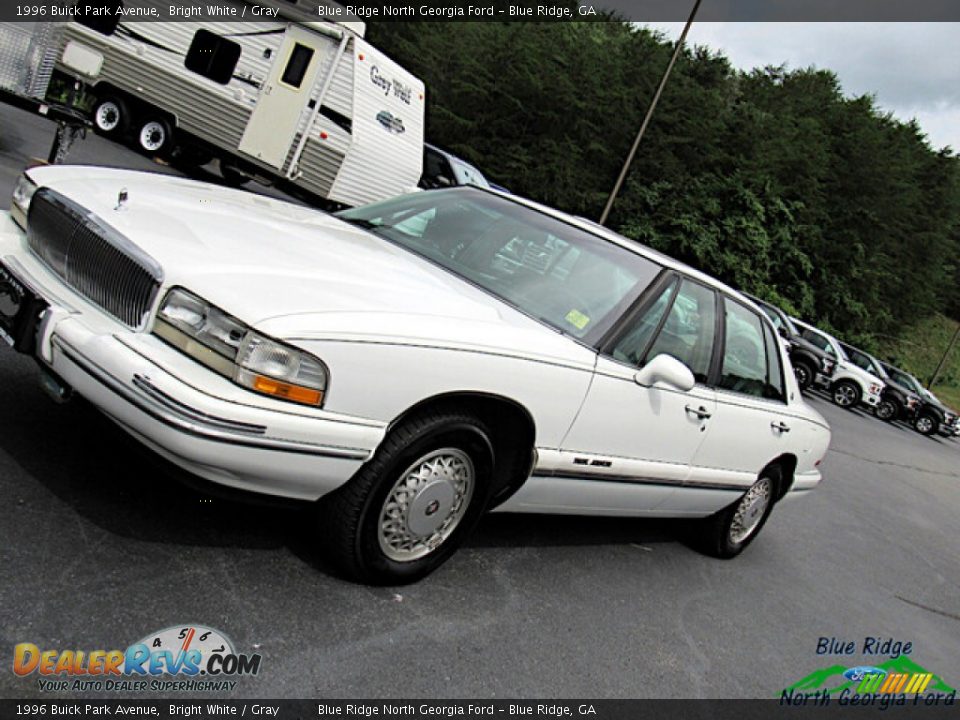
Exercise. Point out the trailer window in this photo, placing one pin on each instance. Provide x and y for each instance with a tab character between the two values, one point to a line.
103	24
297	65
212	56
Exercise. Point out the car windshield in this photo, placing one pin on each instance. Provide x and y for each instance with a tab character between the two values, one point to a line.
901	378
821	341
861	360
573	280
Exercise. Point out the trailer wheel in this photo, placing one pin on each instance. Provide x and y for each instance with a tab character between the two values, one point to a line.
111	116
155	136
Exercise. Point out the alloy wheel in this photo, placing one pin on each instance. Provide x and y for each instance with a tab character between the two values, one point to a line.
426	504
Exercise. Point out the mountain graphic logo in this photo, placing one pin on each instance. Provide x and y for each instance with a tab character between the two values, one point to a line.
896	675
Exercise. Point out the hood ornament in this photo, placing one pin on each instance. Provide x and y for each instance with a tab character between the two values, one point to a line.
122	199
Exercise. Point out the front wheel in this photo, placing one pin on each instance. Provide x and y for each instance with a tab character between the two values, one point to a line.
409	508
726	534
888	410
846	394
926	424
111	116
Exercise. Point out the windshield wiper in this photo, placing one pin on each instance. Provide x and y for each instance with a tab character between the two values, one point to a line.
362	223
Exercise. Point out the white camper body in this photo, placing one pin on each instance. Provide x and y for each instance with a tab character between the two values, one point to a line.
304	102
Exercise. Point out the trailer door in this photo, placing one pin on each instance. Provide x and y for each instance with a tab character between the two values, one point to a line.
270	131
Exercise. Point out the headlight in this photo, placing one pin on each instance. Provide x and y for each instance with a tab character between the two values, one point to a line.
22	195
231	348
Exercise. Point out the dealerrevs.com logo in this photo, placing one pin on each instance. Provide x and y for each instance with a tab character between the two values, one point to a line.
185	657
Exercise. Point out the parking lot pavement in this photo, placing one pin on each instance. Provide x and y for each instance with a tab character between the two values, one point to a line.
99	546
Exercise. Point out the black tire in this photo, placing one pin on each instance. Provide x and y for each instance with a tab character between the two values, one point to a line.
888	410
926	423
715	534
846	394
154	136
804	373
232	176
350	517
111	116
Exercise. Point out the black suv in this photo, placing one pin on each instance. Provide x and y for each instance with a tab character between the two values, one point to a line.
808	360
898	400
931	415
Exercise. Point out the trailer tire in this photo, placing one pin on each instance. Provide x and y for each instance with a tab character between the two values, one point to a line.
154	136
111	116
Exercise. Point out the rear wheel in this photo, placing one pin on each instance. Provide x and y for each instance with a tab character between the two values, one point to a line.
926	423
727	533
111	116
888	410
155	136
409	508
804	374
846	394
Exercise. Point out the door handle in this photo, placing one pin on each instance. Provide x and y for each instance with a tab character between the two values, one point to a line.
781	426
700	412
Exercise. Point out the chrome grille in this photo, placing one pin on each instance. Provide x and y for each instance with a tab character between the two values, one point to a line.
93	258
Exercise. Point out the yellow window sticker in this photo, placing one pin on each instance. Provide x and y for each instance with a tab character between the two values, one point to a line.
577	319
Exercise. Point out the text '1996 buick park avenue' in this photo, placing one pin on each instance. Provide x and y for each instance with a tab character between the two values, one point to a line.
408	365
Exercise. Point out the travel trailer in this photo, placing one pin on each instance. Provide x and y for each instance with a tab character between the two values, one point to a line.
294	100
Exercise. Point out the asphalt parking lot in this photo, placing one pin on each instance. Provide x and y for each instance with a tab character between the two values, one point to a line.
100	545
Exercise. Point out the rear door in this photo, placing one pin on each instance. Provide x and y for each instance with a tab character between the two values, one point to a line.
752	423
283	98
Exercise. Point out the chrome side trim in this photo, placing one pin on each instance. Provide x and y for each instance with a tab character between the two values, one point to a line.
584	473
162	408
144	384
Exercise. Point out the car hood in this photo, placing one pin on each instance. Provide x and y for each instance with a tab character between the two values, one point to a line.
292	271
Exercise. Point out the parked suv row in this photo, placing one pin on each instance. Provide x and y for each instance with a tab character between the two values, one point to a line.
930	415
853	376
854	381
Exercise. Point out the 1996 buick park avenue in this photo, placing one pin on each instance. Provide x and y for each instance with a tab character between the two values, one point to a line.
408	365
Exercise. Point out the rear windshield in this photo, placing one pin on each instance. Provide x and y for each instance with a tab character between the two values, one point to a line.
573	280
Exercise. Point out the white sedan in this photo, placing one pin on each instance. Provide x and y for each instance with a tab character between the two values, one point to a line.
406	365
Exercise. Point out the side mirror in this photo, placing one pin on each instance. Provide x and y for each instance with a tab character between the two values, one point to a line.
668	370
783	332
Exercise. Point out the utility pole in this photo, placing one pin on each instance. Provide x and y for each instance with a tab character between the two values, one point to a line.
943	360
649	115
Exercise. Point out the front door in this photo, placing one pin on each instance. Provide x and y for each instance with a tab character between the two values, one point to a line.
272	125
646	437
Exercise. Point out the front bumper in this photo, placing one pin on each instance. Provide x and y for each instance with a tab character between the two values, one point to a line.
183	411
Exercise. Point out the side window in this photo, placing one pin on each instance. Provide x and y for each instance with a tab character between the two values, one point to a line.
746	360
632	345
297	65
103	24
212	56
775	388
689	330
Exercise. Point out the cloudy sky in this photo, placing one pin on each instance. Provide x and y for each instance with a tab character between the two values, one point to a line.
913	69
